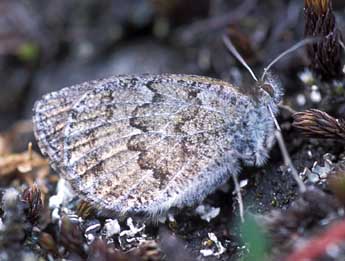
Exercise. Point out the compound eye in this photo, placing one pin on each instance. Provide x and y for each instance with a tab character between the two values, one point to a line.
268	88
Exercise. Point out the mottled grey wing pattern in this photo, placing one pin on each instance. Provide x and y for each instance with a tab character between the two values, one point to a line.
148	143
50	115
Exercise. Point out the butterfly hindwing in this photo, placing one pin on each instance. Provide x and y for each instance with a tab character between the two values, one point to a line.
50	115
144	143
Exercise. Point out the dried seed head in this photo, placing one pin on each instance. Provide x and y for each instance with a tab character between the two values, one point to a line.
33	201
147	250
72	237
318	124
84	209
100	250
47	242
325	55
336	181
319	6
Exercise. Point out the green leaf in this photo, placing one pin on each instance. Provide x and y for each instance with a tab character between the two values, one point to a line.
256	240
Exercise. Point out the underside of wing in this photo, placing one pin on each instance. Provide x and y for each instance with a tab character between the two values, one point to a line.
49	119
149	143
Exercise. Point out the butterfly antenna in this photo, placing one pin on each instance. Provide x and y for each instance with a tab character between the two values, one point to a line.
274	118
285	153
290	50
235	53
278	132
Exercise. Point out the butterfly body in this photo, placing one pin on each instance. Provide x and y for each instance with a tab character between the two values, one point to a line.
144	144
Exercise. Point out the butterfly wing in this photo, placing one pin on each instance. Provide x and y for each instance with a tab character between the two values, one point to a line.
146	144
49	117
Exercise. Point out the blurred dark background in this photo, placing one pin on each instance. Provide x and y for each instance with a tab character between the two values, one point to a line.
46	45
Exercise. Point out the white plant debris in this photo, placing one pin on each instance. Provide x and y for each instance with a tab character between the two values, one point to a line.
306	77
112	227
133	230
301	100
63	196
310	154
55	215
315	95
74	218
171	217
243	183
90	232
28	256
219	249
93	227
2	226
206	252
207	212
89	238
318	174
133	236
10	197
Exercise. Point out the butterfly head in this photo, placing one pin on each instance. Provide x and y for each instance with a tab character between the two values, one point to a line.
269	90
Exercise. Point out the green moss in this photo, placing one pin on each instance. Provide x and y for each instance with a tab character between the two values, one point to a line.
28	52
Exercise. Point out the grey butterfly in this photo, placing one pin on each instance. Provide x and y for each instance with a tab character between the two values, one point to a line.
144	144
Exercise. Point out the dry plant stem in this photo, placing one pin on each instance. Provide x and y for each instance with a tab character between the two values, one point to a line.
239	196
30	151
288	162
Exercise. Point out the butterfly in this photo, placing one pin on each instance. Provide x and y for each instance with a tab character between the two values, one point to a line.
142	144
